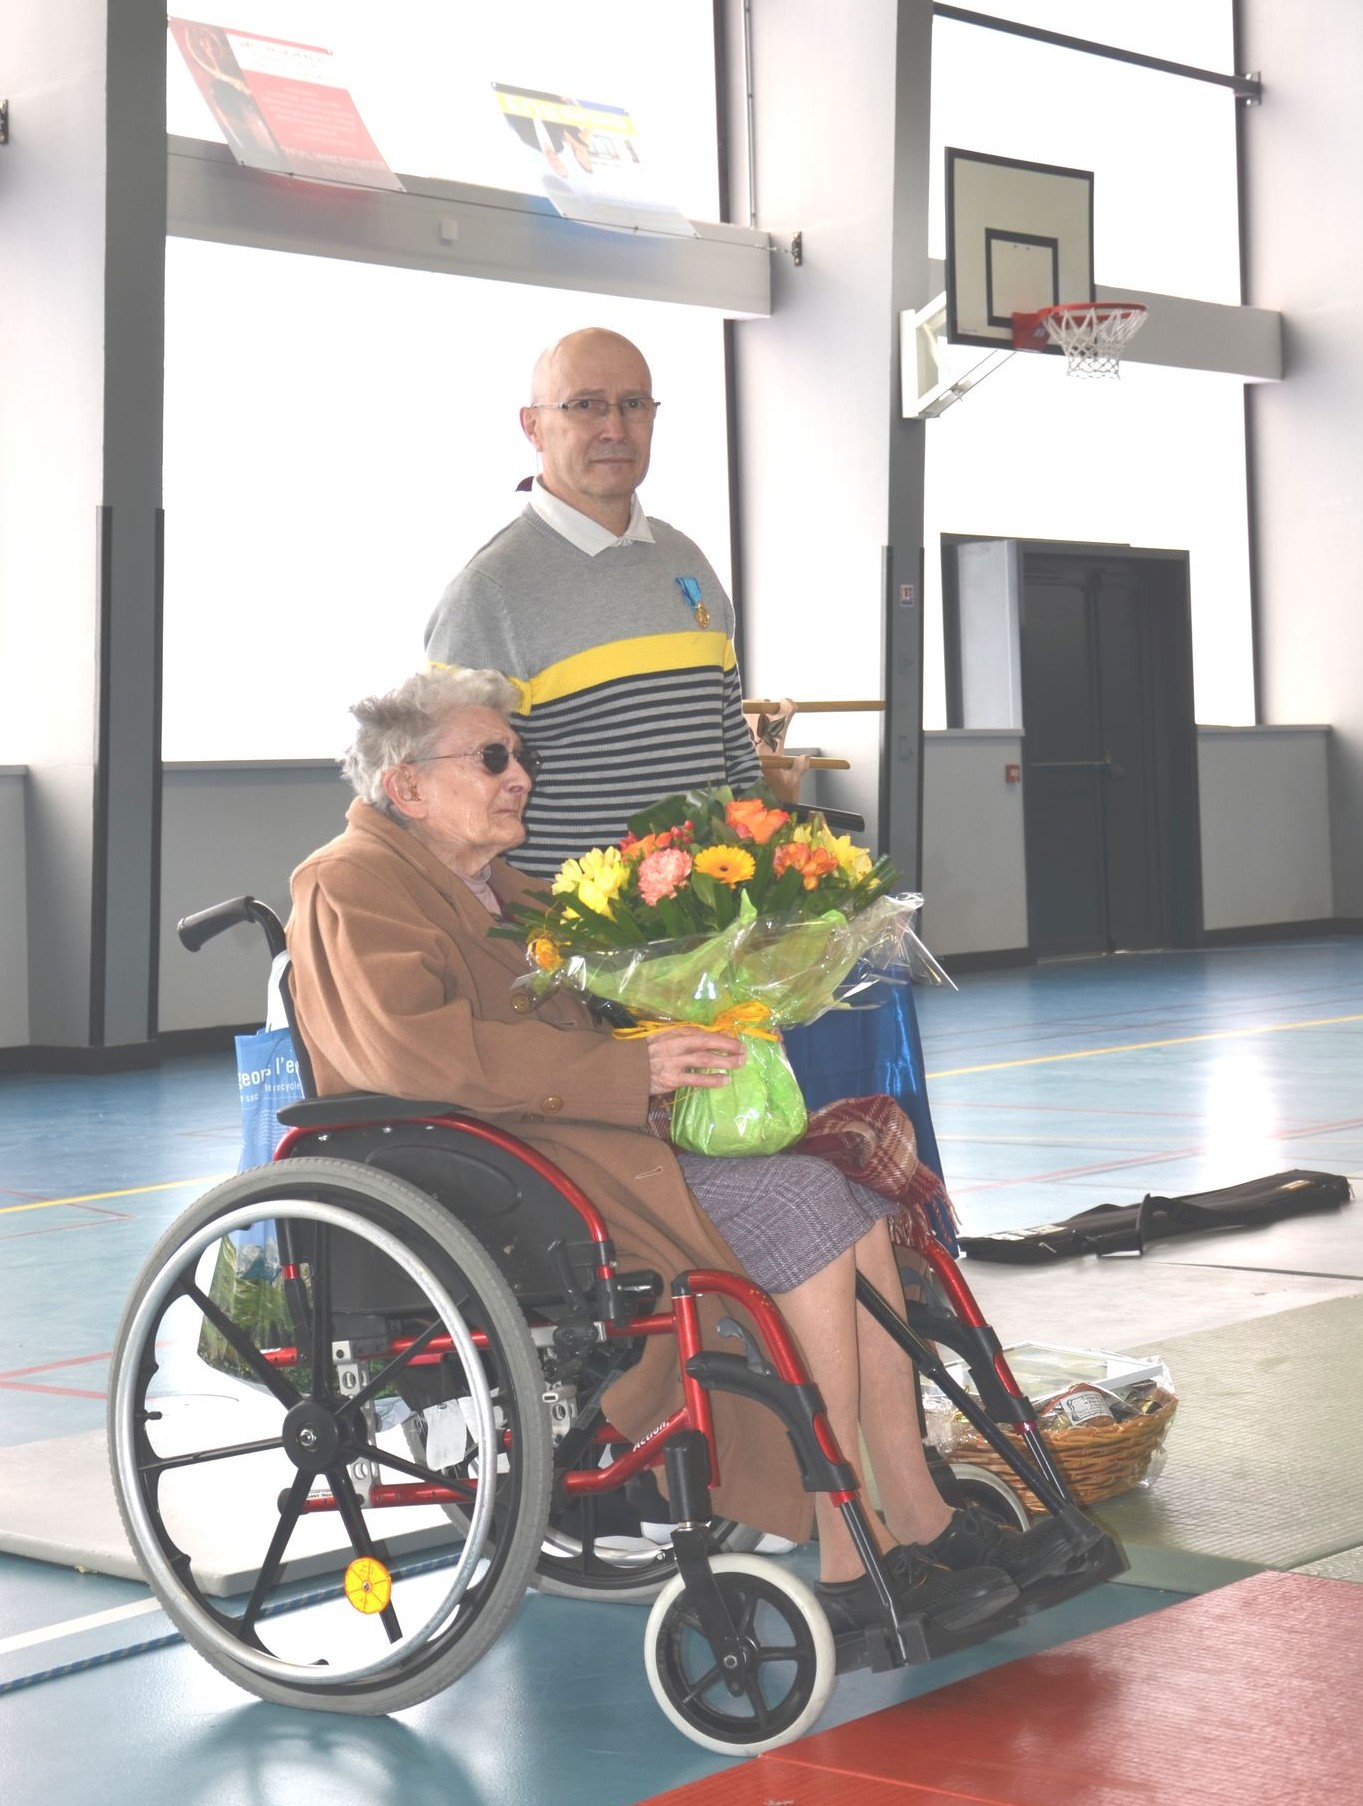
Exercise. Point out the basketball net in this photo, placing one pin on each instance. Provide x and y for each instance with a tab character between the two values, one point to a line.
1092	334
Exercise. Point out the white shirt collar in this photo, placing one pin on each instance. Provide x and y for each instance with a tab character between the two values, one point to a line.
581	530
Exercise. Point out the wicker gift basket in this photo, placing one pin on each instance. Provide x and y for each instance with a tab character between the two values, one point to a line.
1100	1459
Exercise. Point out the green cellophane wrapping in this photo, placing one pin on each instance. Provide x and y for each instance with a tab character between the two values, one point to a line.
760	1111
792	967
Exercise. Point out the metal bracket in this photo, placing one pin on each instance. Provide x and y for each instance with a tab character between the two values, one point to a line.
928	384
4	122
1253	97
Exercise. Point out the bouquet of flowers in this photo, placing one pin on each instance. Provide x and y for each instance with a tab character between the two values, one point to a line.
728	913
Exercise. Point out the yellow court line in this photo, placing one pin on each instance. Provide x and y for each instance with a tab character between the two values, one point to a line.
94	1197
1090	1053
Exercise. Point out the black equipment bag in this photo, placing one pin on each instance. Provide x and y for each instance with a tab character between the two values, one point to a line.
1126	1228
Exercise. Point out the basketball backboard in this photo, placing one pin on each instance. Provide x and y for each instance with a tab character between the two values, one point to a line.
1019	238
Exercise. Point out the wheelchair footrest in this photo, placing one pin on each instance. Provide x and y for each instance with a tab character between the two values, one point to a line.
1102	1561
923	1641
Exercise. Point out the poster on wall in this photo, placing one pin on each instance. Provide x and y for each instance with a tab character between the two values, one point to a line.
280	105
586	158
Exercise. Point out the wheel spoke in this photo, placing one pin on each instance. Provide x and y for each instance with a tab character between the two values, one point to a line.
161	1464
800	1659
321	1309
398	1363
703	1684
761	1712
274	1555
360	1540
465	1490
287	1394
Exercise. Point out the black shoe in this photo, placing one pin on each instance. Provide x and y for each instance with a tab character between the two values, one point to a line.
1025	1556
953	1601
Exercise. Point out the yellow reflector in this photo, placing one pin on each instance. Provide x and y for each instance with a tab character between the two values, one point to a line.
368	1584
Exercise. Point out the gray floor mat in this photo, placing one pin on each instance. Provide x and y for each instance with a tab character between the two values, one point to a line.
57	1505
1265	1453
1347	1565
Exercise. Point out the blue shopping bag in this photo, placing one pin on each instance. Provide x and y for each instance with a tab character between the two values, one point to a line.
870	1051
268	1077
247	1283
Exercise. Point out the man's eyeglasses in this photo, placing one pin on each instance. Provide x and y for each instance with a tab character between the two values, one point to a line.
592	408
496	758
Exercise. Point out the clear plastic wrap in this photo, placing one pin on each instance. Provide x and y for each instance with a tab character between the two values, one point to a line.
753	978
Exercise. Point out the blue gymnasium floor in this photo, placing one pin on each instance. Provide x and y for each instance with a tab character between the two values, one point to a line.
1053	1088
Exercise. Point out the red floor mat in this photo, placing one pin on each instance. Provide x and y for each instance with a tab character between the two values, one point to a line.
1243	1697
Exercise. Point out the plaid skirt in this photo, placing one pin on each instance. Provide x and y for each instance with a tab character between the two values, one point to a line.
785	1216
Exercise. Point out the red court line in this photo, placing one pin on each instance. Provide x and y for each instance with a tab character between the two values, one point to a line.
54	1391
1077	1172
17	1378
1118	1166
18	1373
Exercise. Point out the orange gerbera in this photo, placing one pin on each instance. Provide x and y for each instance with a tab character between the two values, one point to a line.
731	865
750	819
813	863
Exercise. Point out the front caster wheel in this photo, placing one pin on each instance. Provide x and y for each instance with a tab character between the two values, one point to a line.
788	1655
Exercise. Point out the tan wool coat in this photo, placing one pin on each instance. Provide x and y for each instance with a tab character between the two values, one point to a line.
399	988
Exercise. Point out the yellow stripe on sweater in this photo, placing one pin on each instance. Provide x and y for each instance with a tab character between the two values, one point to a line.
625	658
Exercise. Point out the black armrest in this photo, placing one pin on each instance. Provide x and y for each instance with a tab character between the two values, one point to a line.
356	1107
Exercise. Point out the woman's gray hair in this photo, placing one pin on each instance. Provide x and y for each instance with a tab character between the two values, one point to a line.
405	726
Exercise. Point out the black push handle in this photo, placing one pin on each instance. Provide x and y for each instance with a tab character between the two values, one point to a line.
201	927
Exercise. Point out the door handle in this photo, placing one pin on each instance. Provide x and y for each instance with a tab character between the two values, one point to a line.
1074	765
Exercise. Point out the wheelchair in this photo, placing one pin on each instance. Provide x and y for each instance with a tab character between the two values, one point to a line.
379	1363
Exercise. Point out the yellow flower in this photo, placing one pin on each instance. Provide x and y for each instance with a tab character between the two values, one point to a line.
853	862
544	951
605	869
594	879
731	865
594	897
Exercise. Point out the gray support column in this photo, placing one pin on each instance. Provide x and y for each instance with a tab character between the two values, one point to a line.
829	477
82	238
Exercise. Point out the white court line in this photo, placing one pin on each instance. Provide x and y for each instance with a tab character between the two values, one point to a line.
29	1639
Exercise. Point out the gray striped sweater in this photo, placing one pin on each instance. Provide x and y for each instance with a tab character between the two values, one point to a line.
628	681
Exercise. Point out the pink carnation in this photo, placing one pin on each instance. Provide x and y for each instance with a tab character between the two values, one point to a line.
662	872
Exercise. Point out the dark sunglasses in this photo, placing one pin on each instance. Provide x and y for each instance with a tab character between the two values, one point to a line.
497	757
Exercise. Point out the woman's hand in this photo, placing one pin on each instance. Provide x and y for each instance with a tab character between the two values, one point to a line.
691	1056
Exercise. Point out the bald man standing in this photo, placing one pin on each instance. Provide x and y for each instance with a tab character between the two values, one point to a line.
613	626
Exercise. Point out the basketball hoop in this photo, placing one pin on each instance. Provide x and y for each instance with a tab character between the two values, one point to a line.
1092	334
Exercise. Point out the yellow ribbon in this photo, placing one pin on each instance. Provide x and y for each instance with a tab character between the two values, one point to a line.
738	1019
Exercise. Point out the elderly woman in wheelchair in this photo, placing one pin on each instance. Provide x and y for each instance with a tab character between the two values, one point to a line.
489	1273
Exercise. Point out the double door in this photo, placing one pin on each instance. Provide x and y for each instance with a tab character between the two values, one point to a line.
1109	751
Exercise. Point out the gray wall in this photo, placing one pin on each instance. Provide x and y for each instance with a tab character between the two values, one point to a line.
13	911
1304	171
974	857
1265	802
229	831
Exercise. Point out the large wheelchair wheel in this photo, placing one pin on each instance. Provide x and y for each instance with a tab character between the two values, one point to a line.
276	1338
789	1657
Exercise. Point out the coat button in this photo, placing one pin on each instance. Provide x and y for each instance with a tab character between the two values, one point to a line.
521	1003
553	1103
